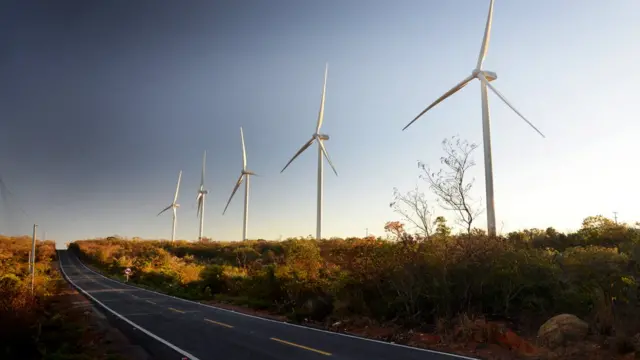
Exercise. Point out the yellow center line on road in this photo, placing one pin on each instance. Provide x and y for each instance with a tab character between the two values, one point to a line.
302	347
151	302
218	323
176	310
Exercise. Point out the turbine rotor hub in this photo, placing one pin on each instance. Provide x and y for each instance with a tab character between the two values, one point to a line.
489	75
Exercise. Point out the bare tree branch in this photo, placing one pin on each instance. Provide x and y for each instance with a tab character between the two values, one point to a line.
451	185
414	209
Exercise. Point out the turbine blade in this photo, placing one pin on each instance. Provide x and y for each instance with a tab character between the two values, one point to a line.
324	91
326	155
175	198
244	151
234	192
165	209
485	39
486	82
453	90
200	202
204	160
303	148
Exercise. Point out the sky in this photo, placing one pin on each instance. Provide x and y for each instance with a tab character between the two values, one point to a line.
102	103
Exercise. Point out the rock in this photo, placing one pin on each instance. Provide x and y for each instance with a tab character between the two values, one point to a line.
561	329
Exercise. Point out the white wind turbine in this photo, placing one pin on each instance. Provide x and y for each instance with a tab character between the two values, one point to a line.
485	78
174	206
200	199
243	174
317	136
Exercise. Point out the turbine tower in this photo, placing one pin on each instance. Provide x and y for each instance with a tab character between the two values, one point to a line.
200	199
243	174
174	206
319	138
485	78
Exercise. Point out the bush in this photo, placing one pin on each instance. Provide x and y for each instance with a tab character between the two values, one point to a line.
525	277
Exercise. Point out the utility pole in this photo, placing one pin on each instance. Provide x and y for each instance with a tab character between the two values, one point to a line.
615	217
33	257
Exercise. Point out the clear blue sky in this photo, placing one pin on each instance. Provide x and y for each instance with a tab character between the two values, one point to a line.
102	103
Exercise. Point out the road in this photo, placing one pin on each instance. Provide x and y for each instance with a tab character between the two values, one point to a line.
199	331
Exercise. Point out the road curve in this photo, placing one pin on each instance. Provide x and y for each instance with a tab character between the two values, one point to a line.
201	332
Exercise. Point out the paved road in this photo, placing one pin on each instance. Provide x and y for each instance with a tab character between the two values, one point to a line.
202	332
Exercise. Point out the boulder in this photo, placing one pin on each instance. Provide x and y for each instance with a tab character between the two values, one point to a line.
561	329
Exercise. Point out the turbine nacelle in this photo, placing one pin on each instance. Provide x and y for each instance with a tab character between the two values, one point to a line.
489	75
321	136
203	192
247	172
176	205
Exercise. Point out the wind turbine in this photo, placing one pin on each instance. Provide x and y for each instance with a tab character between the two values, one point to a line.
200	199
243	174
174	206
319	138
485	78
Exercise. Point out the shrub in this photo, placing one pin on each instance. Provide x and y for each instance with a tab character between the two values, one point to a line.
525	277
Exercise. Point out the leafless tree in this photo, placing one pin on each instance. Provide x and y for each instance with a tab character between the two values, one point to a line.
451	184
414	209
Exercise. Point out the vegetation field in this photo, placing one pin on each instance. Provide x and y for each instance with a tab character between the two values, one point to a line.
54	322
432	284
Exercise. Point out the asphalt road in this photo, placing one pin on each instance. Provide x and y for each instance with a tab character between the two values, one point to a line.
202	332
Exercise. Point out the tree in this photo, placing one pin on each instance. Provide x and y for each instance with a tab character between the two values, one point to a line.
396	228
451	184
602	231
597	222
442	229
414	208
